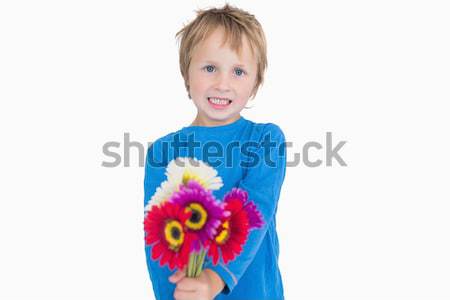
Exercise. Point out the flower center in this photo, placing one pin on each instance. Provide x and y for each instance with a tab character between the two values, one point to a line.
198	217
173	232
223	235
189	175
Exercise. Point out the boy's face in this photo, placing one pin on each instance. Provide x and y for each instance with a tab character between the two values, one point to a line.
218	72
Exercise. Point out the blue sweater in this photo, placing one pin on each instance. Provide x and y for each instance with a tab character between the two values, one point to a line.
250	163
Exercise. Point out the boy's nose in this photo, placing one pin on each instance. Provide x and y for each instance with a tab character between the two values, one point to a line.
223	83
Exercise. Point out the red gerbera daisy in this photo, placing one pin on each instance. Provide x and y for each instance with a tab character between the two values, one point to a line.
234	230
232	233
164	226
255	218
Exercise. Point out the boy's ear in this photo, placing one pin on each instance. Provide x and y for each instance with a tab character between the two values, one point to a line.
187	89
189	93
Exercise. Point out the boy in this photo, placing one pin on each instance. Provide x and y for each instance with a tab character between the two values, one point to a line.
222	61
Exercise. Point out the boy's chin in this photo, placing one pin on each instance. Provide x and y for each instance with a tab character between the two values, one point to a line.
220	119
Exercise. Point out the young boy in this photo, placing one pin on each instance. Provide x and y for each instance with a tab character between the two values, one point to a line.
222	61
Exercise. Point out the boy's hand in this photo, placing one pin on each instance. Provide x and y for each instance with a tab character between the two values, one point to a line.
204	287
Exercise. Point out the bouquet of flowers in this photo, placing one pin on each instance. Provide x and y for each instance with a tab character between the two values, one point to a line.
185	222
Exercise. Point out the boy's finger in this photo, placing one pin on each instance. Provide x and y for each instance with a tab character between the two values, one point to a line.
177	276
188	285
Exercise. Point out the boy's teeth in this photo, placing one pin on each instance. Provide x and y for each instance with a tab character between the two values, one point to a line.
219	101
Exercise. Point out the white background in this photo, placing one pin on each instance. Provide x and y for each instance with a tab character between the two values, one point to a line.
77	74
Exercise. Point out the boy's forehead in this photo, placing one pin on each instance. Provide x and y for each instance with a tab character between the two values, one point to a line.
215	43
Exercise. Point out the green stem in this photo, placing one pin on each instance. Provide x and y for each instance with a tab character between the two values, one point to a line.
200	262
196	266
194	270
190	265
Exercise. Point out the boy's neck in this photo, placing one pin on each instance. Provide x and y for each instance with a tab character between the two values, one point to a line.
199	121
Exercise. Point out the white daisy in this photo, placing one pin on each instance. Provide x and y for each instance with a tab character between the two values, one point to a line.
180	171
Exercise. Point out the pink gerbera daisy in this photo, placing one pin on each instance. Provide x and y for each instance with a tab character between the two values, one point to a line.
206	211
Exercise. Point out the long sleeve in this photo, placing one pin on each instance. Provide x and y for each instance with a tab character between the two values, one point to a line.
263	183
154	174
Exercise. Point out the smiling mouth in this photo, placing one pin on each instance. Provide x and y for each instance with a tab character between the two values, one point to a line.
219	101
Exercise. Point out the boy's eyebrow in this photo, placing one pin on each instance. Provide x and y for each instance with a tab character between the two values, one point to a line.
215	63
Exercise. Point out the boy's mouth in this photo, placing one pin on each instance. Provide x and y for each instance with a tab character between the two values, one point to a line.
218	102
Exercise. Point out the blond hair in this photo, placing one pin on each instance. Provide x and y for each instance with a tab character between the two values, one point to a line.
236	23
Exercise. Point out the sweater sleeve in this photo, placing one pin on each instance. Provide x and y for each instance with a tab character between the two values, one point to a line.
154	174
263	183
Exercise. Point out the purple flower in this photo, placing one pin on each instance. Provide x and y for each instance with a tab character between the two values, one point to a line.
207	212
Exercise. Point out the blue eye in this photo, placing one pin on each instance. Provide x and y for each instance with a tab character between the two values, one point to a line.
239	72
209	68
